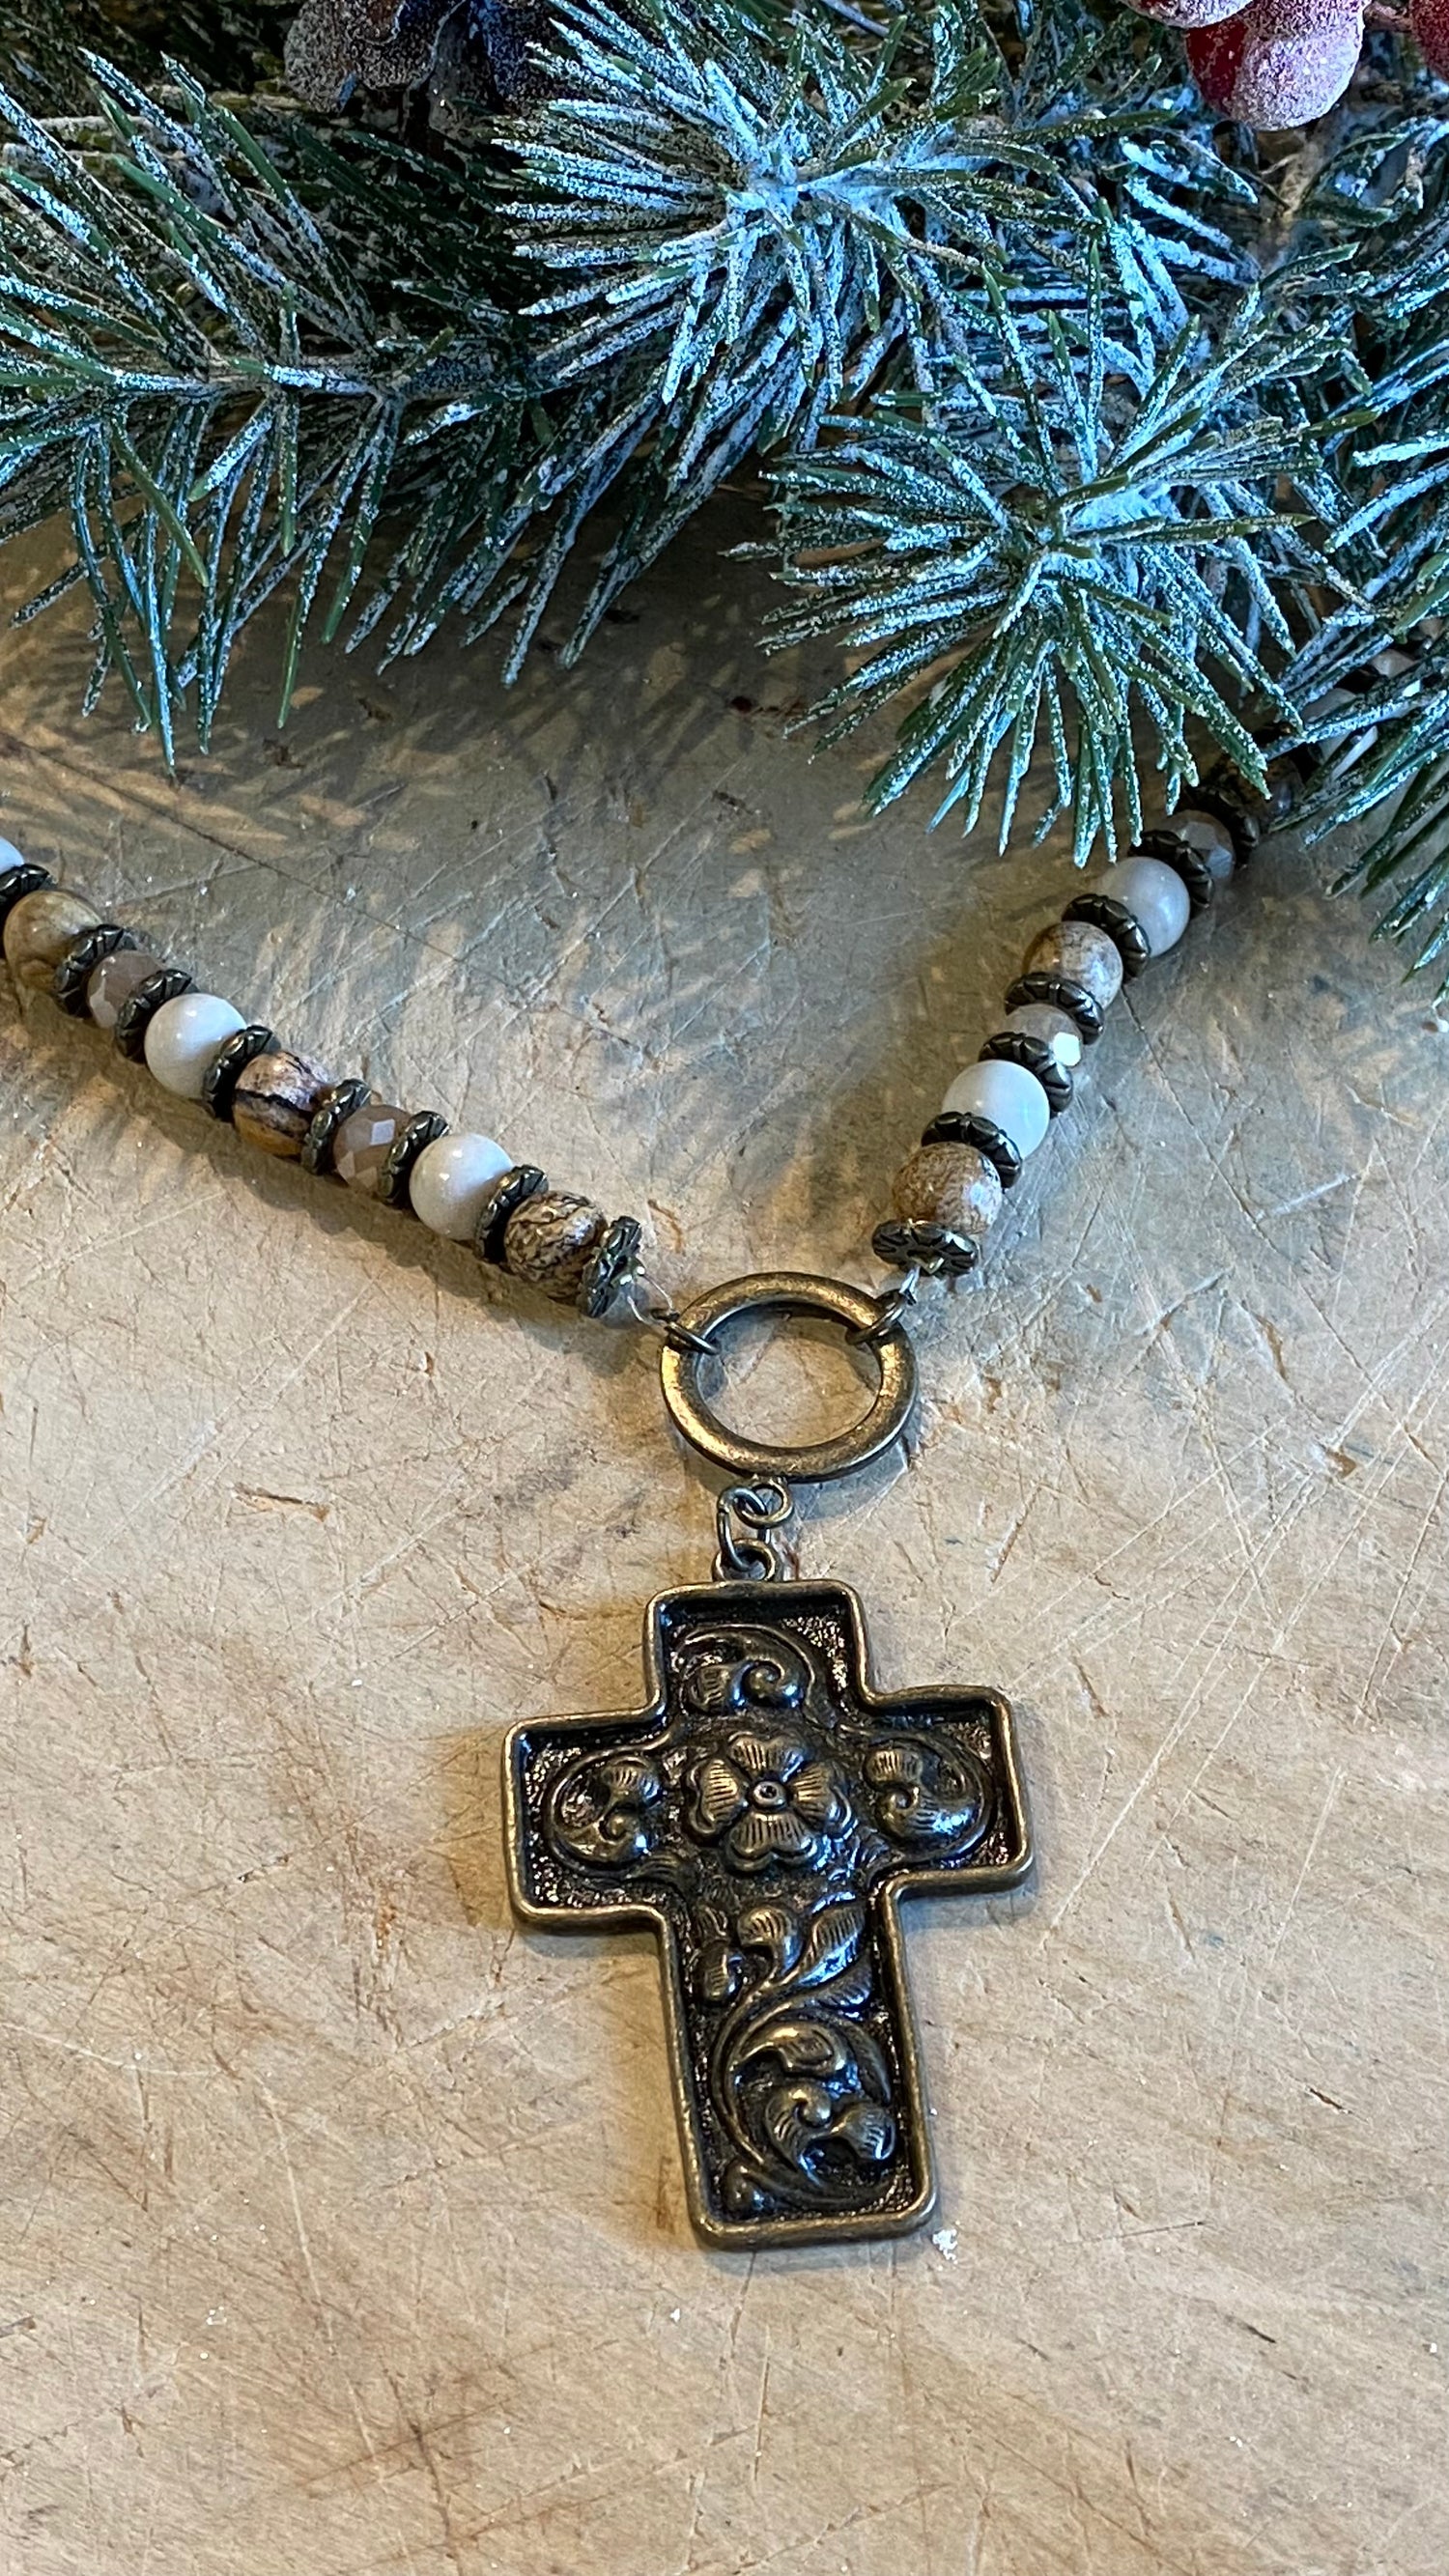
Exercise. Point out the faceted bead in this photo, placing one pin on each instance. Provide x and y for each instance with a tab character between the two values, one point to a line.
364	1141
1055	1029
950	1185
114	981
551	1240
1155	896
275	1101
40	928
1211	839
1008	1095
183	1038
451	1179
1080	953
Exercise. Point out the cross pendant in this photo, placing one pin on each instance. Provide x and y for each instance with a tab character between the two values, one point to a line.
765	1814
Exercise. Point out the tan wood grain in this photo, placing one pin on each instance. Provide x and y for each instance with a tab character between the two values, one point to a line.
341	2226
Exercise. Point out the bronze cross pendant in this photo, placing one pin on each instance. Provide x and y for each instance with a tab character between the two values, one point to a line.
765	1814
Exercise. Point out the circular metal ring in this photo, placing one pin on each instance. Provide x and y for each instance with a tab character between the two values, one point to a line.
790	1292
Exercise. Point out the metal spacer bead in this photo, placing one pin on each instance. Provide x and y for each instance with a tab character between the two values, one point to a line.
229	1064
614	1262
908	1243
1104	912
16	883
962	1127
140	1008
1188	863
1064	995
338	1102
511	1191
1016	1046
80	961
1227	805
403	1152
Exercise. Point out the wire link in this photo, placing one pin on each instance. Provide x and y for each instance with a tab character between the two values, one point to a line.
744	1517
652	1309
895	1305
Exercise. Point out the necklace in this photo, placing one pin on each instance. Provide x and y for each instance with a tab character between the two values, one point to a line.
766	1811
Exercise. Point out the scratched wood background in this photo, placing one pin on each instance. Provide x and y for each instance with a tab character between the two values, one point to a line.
340	2226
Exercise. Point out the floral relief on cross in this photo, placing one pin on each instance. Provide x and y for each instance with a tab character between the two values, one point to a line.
765	1814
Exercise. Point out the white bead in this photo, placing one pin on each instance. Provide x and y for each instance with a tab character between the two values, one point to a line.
1056	1029
184	1037
1008	1095
10	857
450	1181
1211	840
1157	899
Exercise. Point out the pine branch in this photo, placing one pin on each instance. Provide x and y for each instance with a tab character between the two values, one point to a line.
227	44
224	394
755	218
1079	426
1065	552
1381	208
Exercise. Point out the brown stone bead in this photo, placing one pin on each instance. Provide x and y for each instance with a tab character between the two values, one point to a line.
363	1143
275	1101
551	1240
949	1185
1082	954
115	980
40	928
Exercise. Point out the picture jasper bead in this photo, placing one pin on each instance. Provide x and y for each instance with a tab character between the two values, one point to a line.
275	1102
551	1240
954	1186
38	931
1080	953
363	1143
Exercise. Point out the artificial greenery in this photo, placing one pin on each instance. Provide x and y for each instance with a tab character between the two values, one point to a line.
1077	424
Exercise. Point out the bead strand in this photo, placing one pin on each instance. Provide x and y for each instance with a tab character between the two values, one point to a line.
946	1197
461	1185
949	1193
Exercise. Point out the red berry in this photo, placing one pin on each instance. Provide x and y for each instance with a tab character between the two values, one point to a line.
1281	62
1186	13
1213	57
1430	22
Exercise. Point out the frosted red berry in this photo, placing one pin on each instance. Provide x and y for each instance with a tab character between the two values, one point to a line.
1429	20
1214	54
1279	62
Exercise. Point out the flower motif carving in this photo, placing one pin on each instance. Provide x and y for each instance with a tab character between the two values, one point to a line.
768	1799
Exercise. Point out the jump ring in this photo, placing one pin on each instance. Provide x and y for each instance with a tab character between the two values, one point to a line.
788	1292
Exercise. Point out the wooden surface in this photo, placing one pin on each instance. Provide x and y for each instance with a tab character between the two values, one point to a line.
341	2225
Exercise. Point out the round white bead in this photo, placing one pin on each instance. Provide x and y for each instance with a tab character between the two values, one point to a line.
1156	898
450	1181
184	1037
1211	840
1056	1029
1008	1095
10	857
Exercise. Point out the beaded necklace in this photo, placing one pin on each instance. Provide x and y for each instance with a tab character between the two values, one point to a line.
767	1809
